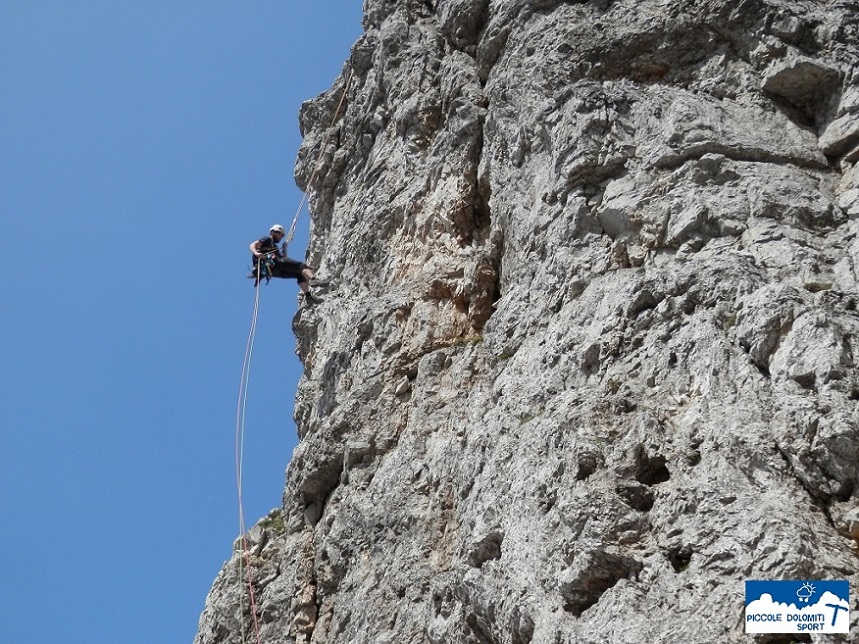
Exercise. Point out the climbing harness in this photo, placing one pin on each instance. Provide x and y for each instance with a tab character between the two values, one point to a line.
264	267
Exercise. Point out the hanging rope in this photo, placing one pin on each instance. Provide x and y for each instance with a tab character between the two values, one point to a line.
240	447
310	183
244	561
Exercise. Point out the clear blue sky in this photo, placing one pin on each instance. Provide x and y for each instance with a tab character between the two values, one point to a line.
143	146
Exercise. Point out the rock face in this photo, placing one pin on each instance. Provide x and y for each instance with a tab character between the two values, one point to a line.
586	359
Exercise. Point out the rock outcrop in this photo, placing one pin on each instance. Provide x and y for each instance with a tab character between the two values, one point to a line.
586	359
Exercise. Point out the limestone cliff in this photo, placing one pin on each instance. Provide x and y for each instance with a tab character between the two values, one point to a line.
586	359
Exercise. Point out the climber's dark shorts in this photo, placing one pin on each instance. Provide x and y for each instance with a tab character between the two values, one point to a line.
289	268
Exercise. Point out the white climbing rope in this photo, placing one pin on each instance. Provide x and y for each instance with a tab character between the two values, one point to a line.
244	560
291	233
240	447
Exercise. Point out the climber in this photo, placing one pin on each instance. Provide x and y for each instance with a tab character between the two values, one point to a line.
278	265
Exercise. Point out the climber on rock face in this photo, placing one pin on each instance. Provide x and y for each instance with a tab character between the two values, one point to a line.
277	265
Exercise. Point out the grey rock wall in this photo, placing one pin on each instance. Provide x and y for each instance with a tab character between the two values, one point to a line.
586	359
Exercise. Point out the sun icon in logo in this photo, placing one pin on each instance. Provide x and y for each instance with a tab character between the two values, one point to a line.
805	592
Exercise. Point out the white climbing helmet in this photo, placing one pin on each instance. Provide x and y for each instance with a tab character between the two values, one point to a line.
277	228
